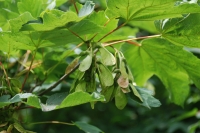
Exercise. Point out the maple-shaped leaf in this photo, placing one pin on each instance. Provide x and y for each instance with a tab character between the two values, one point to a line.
149	9
181	31
172	64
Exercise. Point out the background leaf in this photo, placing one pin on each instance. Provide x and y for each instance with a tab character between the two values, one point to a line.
34	7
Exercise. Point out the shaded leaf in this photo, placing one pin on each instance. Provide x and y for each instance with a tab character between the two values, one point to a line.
105	75
148	100
120	99
87	128
6	100
135	92
53	101
107	92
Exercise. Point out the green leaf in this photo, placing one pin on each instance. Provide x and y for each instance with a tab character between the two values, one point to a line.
14	41
34	7
107	92
120	99
72	65
135	92
5	16
148	100
107	58
87	8
149	9
98	18
105	76
17	23
81	86
85	27
181	31
169	62
145	25
87	128
51	20
53	101
57	37
86	63
33	101
6	100
80	97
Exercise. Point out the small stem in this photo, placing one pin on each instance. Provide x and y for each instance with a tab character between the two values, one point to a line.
37	84
20	108
28	71
74	3
112	31
52	122
8	81
128	40
58	82
76	35
25	59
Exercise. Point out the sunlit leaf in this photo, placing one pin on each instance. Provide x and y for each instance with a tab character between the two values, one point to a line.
51	20
78	98
181	31
149	9
34	7
168	62
87	8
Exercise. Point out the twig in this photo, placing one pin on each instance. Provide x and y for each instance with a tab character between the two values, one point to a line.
52	122
74	3
76	35
112	31
7	79
25	60
37	84
58	82
28	71
128	40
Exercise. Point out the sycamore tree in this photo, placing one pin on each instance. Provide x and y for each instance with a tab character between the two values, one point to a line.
53	57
